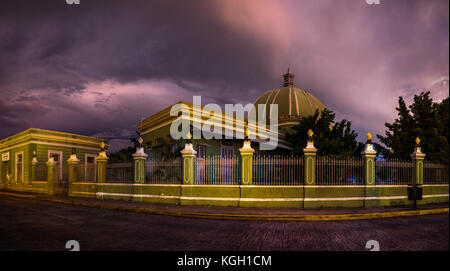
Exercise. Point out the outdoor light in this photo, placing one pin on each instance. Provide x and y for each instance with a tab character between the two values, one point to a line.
369	137
189	138
310	134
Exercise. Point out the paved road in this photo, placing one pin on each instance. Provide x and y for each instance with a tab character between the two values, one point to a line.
30	224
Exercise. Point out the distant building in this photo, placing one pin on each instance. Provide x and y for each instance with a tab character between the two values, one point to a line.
293	104
19	150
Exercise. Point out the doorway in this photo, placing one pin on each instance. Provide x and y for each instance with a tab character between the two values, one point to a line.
60	185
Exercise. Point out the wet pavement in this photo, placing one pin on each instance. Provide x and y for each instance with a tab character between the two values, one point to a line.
28	223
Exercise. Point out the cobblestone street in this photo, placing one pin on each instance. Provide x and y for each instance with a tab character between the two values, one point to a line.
30	224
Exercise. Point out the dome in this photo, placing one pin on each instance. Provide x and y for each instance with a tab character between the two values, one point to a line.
293	103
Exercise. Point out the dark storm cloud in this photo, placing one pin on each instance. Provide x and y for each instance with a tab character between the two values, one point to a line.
98	67
63	47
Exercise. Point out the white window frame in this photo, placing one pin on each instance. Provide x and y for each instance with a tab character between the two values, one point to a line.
16	155
61	160
86	163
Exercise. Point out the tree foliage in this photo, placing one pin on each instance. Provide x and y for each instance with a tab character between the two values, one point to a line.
425	119
330	138
125	154
122	156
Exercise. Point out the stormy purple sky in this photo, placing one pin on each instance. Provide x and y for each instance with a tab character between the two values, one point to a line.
98	67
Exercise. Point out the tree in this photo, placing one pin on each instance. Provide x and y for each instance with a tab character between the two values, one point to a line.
330	138
425	119
134	140
122	156
126	154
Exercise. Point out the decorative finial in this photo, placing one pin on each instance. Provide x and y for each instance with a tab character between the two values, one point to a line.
417	141
369	136
102	146
246	133
288	79
189	137
310	133
140	140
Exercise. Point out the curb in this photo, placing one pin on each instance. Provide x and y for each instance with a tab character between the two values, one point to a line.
272	217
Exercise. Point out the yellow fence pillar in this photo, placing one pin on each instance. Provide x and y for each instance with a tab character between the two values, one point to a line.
370	190
72	162
139	163
247	162
310	160
369	161
188	154
34	162
418	156
309	190
102	160
50	176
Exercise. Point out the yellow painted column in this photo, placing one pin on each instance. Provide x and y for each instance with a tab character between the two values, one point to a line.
34	162
370	191
418	156
139	163
369	161
72	162
247	162
102	160
310	153
50	176
188	154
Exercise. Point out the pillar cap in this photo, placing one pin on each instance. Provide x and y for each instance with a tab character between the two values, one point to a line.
310	150
73	159
188	150
368	150
51	161
247	148
139	154
418	153
34	161
102	156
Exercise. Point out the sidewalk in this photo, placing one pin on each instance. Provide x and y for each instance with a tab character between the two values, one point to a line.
240	213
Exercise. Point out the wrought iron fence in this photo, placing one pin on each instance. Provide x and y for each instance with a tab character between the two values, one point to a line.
60	179
339	171
218	170
434	173
41	172
277	170
164	172
86	173
120	173
394	172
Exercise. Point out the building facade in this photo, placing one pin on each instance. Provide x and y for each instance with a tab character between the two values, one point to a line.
293	105
32	148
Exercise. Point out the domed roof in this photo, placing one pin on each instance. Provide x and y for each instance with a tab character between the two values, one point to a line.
293	103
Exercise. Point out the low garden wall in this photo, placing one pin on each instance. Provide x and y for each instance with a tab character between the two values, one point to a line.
262	196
